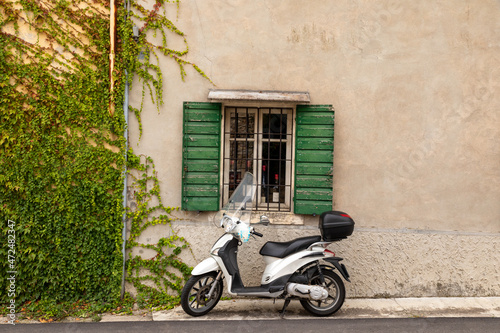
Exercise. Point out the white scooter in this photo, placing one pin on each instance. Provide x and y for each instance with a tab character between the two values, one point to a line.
302	269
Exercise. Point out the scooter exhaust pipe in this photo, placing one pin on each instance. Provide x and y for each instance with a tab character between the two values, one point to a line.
315	293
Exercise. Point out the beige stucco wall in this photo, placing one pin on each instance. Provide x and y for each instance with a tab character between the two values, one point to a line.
381	262
415	87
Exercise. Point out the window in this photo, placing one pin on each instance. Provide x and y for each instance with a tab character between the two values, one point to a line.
259	140
289	150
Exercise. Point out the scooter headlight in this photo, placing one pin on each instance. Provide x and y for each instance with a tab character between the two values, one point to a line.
228	224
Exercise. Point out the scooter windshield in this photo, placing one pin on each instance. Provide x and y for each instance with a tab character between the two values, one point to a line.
241	202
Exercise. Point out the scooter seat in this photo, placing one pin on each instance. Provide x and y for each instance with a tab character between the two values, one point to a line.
283	249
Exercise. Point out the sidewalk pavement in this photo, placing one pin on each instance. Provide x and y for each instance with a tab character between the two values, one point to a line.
266	309
357	308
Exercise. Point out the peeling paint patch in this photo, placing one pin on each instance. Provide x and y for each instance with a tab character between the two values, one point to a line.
312	36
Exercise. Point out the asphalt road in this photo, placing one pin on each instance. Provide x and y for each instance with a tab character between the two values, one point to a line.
395	325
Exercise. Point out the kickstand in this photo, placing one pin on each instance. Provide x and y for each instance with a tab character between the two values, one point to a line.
282	312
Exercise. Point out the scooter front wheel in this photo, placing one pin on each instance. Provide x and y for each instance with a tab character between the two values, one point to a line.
336	295
194	296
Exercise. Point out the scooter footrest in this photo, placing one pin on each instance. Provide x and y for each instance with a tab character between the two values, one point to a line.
276	289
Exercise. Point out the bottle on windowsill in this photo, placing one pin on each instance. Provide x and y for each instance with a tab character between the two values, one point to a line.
276	191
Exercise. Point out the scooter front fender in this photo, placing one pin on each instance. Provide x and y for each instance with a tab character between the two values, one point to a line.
207	265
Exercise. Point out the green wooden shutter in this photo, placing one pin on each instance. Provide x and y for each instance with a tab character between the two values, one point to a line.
201	156
314	159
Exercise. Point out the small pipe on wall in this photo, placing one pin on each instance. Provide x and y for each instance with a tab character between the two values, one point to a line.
112	41
124	194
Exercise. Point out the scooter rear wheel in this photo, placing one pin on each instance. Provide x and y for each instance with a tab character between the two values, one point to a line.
194	299
336	295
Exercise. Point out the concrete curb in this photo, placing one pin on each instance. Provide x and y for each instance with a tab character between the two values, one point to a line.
260	309
357	308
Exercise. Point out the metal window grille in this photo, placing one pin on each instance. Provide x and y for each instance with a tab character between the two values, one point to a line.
259	140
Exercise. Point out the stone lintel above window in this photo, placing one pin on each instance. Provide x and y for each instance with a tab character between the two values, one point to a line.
259	95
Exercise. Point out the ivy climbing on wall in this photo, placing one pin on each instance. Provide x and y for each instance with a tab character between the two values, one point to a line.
159	277
60	151
142	56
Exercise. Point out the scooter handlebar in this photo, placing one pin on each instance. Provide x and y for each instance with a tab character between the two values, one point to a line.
257	233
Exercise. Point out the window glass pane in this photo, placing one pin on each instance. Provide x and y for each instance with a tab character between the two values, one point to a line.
240	161
242	124
274	171
274	126
241	155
